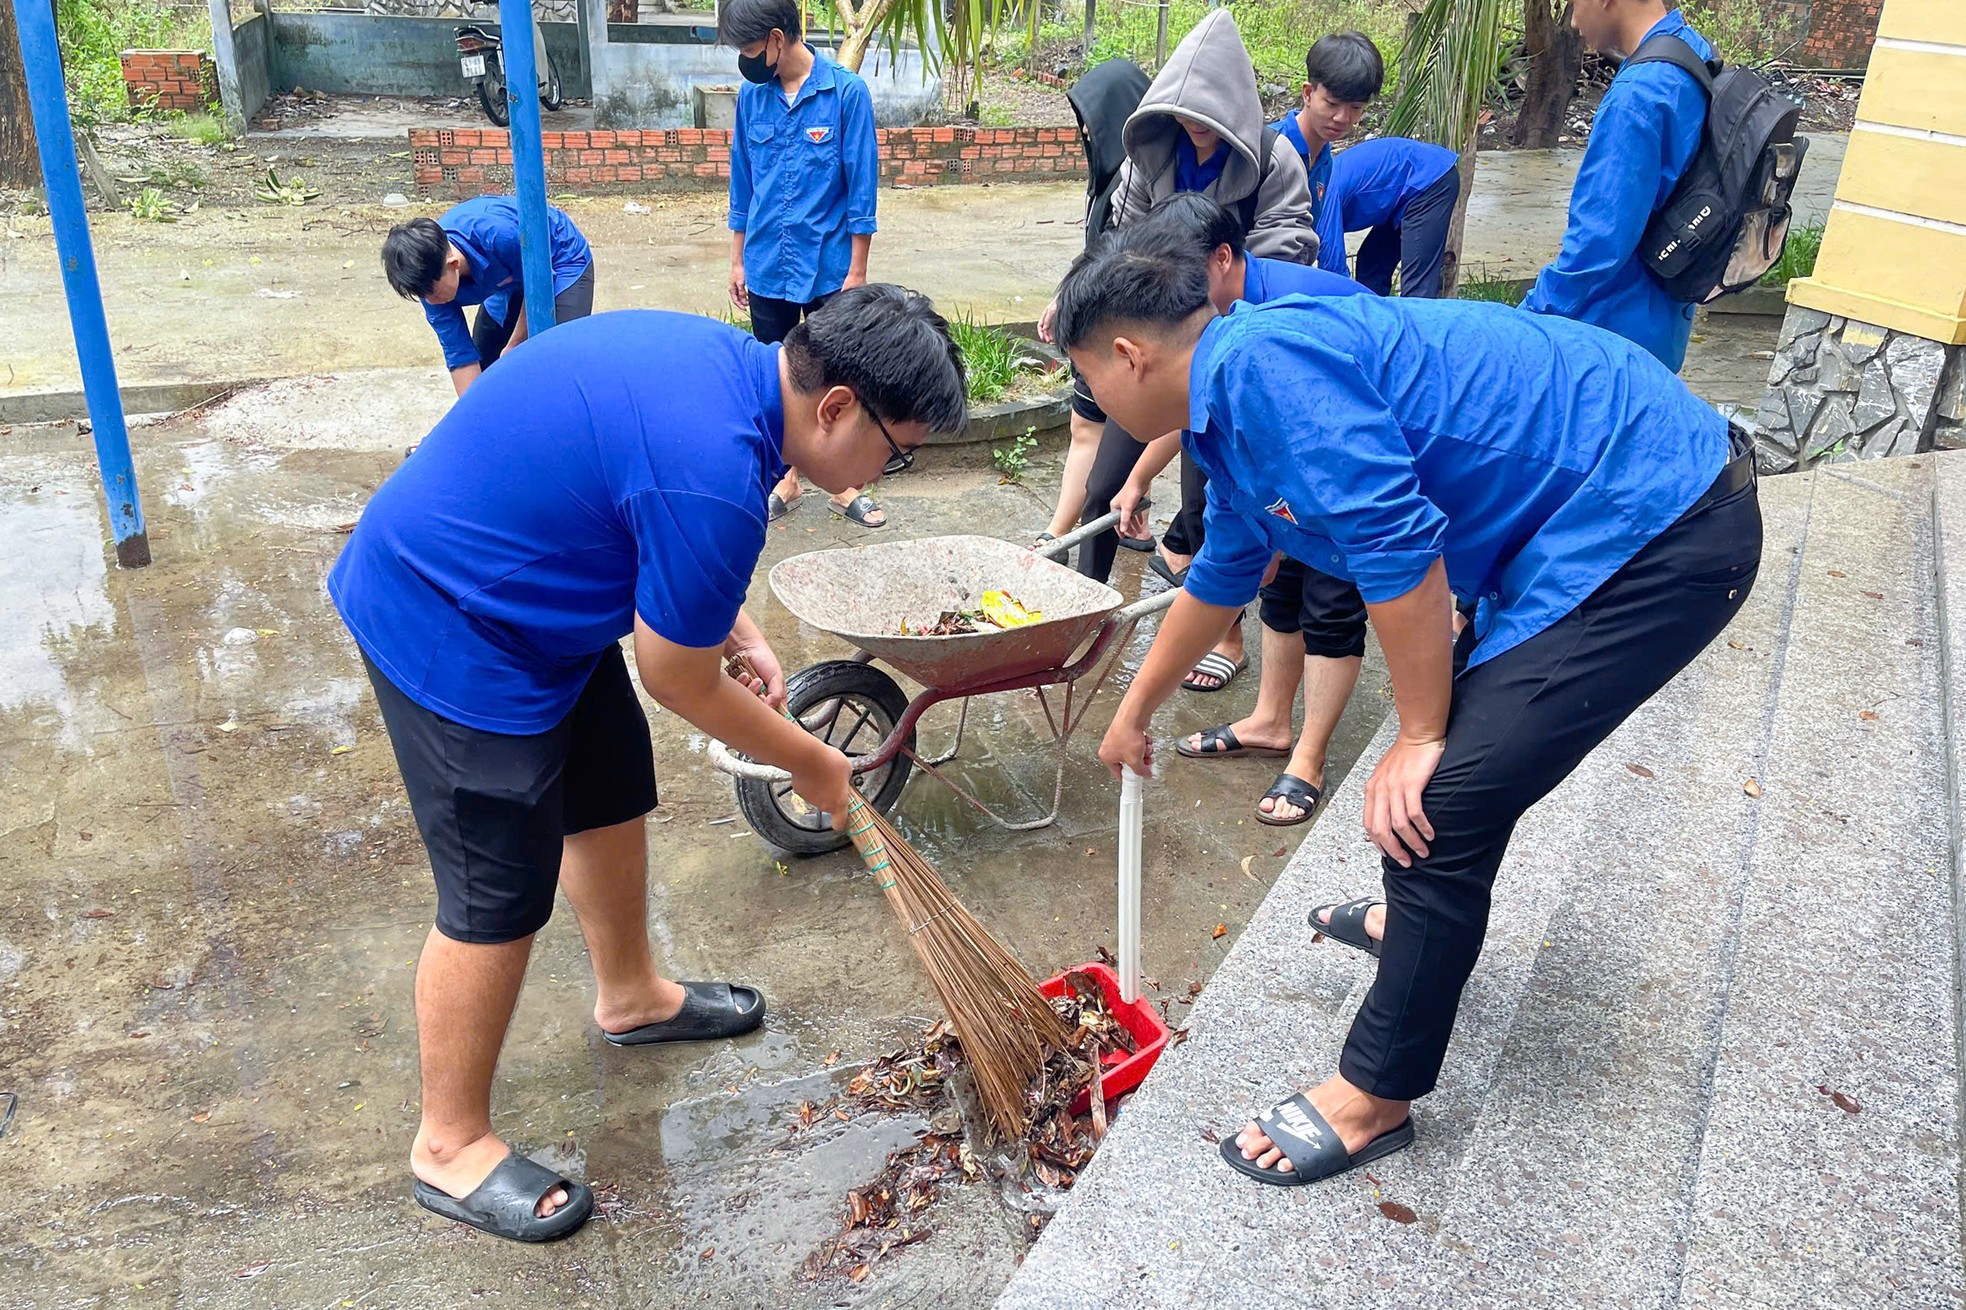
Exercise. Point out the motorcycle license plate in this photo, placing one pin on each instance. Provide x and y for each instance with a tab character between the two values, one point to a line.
473	65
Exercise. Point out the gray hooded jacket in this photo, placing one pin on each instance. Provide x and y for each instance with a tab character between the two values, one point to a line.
1209	79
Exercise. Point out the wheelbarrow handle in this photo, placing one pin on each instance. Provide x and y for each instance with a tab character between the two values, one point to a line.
723	760
1141	608
1083	532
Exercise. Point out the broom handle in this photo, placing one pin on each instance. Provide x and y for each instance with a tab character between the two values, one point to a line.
1132	806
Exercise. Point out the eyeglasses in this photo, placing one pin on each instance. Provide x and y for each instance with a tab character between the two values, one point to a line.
900	459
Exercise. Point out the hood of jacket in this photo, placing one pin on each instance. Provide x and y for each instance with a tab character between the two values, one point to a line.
1209	79
1102	100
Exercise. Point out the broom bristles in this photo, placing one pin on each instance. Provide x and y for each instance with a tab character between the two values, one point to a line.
1006	1026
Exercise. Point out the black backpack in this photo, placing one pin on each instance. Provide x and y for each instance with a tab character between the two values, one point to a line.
1725	222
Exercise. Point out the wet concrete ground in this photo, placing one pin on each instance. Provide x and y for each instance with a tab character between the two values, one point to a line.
212	895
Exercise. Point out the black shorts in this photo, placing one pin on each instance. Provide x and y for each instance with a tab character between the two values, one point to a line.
1082	402
1327	610
495	809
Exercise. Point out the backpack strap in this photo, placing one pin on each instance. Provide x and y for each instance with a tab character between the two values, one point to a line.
1670	48
1246	207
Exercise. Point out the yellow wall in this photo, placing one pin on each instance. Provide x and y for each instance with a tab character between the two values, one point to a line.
1895	250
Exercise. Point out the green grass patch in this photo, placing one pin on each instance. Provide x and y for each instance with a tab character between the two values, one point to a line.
990	356
94	33
1501	291
200	129
1798	256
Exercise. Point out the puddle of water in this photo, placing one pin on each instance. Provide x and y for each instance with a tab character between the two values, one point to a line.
53	588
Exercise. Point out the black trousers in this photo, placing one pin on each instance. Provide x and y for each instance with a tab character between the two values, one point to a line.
772	318
1416	245
490	336
1111	466
1519	725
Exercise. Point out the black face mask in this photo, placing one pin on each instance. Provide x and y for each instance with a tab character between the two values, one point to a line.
755	69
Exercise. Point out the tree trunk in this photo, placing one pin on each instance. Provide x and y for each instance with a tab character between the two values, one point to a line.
20	166
861	25
1556	57
1450	264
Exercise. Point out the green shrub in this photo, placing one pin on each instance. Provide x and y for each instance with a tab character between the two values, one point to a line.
94	33
990	356
1501	291
200	129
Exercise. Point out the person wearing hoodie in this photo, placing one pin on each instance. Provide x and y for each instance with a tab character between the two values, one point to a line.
1102	100
1200	129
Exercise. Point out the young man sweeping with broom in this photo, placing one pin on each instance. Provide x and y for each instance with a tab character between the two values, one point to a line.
1605	516
572	496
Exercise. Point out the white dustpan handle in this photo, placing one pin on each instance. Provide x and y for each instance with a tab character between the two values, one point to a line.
1131	807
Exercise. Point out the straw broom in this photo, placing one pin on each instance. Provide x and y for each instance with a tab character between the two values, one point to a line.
1006	1026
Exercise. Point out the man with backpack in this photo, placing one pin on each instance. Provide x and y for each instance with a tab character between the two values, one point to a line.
1647	130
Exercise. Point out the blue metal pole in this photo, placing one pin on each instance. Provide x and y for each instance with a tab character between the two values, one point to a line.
528	162
41	56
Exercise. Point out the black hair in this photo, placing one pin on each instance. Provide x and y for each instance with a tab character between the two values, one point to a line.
889	346
1115	283
1347	65
1185	221
740	22
413	257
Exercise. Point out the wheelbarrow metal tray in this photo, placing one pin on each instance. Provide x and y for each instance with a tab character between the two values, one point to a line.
863	595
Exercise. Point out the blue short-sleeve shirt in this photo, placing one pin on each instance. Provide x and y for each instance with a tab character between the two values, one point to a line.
1366	438
572	488
485	230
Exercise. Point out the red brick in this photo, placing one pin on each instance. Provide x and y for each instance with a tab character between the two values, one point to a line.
689	136
669	155
470	174
717	138
483	156
633	140
945	134
452	157
704	170
591	157
632	173
600	140
1052	152
579	175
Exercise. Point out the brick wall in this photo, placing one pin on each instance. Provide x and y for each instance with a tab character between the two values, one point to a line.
170	79
1840	33
469	161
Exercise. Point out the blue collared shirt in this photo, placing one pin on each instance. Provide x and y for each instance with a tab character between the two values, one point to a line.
1264	280
1192	174
485	230
571	489
1372	183
1647	131
804	178
1368	437
1316	171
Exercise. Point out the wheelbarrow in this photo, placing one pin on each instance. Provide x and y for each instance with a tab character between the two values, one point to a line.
863	595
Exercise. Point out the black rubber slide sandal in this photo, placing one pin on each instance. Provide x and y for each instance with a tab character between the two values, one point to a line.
1221	743
504	1204
1311	1145
1348	923
1292	790
710	1010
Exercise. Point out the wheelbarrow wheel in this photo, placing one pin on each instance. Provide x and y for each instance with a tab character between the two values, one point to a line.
848	705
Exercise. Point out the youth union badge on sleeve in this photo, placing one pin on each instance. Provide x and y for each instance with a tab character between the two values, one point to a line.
818	135
1282	510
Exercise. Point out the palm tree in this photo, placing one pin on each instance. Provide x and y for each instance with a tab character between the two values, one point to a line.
1449	62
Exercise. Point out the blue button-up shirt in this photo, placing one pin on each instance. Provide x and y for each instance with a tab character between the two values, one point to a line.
803	181
1368	437
1371	184
1316	171
1264	280
1647	130
485	231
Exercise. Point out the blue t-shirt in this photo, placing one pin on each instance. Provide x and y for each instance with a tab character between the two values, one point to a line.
1264	280
1192	174
1371	184
617	466
1316	171
485	231
804	179
1646	132
1368	437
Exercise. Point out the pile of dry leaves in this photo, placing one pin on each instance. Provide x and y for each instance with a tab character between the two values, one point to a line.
886	1214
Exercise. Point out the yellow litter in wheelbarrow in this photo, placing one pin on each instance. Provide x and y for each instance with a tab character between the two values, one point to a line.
1004	610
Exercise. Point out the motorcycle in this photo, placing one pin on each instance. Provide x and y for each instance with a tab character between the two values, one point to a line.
480	58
